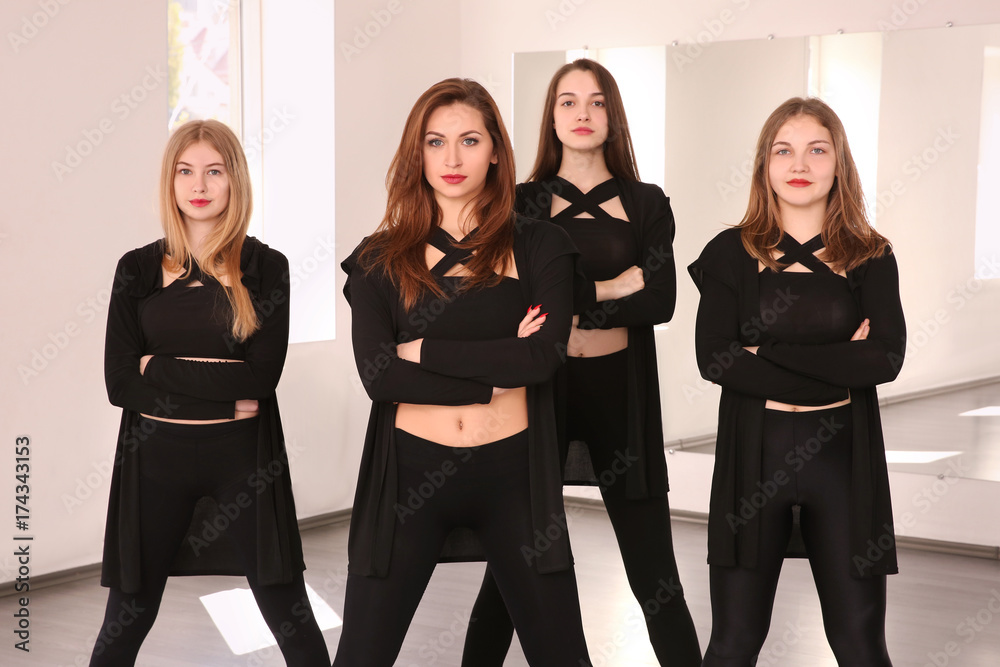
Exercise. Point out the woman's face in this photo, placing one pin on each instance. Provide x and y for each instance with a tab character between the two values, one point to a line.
803	164
201	184
580	117
458	152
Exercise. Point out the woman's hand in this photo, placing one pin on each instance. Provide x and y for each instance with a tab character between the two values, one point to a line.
410	351
863	330
531	323
624	284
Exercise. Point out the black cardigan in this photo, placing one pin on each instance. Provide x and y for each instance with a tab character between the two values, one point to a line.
456	372
197	390
652	221
819	374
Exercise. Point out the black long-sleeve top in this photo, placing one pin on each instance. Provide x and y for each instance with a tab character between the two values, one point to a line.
461	361
180	389
730	318
652	225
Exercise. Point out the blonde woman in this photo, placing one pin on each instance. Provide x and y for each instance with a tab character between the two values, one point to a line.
196	341
799	319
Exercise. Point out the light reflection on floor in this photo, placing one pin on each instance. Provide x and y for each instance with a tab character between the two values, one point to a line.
238	619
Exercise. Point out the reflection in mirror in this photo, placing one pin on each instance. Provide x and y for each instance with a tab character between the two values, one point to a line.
922	111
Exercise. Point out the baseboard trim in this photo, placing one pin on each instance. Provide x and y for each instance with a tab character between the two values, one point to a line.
41	581
902	541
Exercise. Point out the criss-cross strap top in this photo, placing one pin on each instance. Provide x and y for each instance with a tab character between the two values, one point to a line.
190	317
805	307
453	254
607	244
796	253
485	313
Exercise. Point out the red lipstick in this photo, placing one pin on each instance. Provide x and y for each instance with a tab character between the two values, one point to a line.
454	179
200	202
799	182
582	130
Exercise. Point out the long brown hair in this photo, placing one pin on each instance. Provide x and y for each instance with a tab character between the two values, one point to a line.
220	252
412	212
619	156
848	235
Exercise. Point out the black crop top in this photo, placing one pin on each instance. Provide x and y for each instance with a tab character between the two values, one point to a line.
606	244
812	307
186	320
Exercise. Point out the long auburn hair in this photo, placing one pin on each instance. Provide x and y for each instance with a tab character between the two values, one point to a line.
619	156
848	236
411	213
220	251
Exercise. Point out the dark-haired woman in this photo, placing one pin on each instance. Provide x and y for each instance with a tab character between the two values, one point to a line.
799	319
460	312
196	342
585	181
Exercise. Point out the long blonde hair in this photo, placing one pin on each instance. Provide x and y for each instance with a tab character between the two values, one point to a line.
848	236
220	252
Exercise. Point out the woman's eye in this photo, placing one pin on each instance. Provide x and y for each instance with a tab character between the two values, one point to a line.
782	151
214	172
818	150
598	103
435	143
470	141
568	103
185	172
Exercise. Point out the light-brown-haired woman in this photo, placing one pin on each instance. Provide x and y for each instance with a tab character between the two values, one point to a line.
196	341
799	319
585	181
460	314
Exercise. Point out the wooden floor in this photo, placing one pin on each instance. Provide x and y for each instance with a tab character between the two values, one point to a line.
938	603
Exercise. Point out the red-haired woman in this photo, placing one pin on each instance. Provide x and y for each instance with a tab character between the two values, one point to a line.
461	312
799	319
196	341
585	181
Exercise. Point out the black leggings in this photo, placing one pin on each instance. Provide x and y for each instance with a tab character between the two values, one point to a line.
484	489
178	464
806	461
597	414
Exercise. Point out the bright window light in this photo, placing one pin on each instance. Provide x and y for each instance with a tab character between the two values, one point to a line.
988	411
987	193
235	614
900	456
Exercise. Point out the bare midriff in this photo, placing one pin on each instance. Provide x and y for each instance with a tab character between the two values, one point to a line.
467	425
788	407
596	342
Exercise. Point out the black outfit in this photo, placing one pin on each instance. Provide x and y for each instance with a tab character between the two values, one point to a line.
828	463
611	433
419	502
203	498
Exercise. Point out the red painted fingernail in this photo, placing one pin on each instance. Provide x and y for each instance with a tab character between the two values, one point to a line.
543	314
